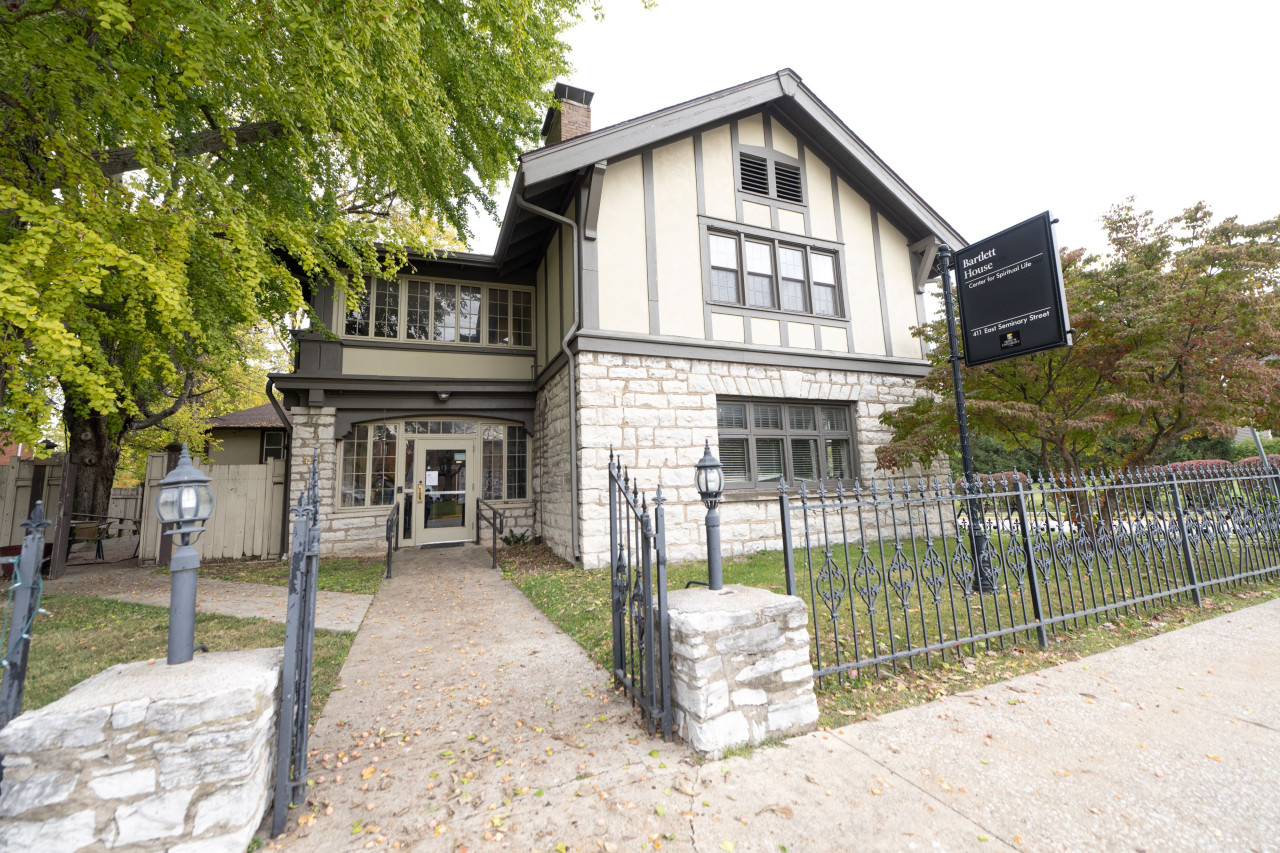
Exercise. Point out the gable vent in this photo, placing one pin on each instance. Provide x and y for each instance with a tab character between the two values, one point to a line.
787	179
755	174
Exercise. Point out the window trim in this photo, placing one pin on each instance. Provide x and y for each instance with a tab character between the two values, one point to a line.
742	234
752	484
340	314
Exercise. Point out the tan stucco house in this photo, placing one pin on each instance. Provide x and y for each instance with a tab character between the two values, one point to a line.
739	268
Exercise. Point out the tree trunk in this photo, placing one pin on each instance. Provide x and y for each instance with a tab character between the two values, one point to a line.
95	447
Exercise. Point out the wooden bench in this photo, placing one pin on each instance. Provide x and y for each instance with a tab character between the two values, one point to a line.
9	558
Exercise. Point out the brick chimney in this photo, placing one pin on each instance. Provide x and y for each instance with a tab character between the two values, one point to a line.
573	118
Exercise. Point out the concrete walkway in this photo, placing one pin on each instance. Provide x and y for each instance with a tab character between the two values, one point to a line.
469	721
125	581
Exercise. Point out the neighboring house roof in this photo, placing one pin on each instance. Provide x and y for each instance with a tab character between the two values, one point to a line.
257	417
547	175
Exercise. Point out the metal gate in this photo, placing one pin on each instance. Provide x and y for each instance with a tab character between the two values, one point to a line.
638	566
300	632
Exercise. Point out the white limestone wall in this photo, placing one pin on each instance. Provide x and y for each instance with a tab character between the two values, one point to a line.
146	757
656	412
552	458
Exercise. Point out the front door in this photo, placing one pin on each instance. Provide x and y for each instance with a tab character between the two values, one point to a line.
443	495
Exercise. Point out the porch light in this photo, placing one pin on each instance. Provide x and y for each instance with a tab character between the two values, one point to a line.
185	498
185	501
709	478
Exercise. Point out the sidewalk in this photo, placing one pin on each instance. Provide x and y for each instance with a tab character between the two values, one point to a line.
124	580
469	720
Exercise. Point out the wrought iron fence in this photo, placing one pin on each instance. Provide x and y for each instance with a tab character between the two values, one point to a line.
24	602
497	520
300	632
909	568
638	567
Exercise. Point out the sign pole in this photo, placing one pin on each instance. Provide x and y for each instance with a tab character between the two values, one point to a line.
983	581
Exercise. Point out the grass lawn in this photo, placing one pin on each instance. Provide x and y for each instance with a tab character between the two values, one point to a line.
578	601
337	574
84	636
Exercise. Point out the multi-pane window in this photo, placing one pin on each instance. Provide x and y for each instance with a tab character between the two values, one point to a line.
506	463
777	274
272	445
724	268
369	466
369	459
440	312
762	441
386	309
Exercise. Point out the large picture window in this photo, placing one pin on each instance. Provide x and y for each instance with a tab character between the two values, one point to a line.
761	441
441	312
771	273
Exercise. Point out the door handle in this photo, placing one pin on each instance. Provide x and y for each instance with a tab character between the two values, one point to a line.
419	493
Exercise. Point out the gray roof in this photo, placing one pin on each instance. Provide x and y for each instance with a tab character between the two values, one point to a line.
257	417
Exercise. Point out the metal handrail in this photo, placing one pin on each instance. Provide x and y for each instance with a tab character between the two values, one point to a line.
393	534
497	524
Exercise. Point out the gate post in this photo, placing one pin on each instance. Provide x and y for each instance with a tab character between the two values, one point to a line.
1031	565
788	554
1187	556
661	643
614	568
22	611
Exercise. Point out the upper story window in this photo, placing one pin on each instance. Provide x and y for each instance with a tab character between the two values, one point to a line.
770	177
442	312
766	272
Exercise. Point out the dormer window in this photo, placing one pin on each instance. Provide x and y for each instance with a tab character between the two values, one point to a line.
769	176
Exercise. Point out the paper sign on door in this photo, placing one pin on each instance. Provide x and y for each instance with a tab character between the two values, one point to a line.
431	479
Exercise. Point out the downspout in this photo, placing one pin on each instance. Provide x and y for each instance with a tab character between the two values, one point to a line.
288	465
564	347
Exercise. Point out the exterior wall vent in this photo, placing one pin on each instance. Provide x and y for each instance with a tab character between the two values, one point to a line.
787	180
755	174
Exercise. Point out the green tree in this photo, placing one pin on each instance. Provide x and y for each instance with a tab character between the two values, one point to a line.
1177	335
173	172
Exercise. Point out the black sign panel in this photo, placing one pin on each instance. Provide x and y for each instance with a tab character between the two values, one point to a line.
1011	297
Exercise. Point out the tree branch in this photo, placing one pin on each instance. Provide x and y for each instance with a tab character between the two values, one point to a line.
151	420
119	160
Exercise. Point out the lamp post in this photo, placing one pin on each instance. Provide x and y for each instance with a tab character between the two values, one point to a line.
709	477
185	501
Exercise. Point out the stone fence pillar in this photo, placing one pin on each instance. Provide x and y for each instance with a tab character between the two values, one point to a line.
740	671
146	757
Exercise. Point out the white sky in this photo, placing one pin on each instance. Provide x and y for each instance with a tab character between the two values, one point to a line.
991	111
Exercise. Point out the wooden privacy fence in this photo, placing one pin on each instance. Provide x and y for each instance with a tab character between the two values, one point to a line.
22	483
248	511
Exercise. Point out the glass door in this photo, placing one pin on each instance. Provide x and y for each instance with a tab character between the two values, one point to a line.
443	496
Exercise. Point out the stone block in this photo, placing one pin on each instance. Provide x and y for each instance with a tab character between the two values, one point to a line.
713	737
120	785
759	640
56	835
794	717
776	662
37	791
749	697
126	715
161	816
